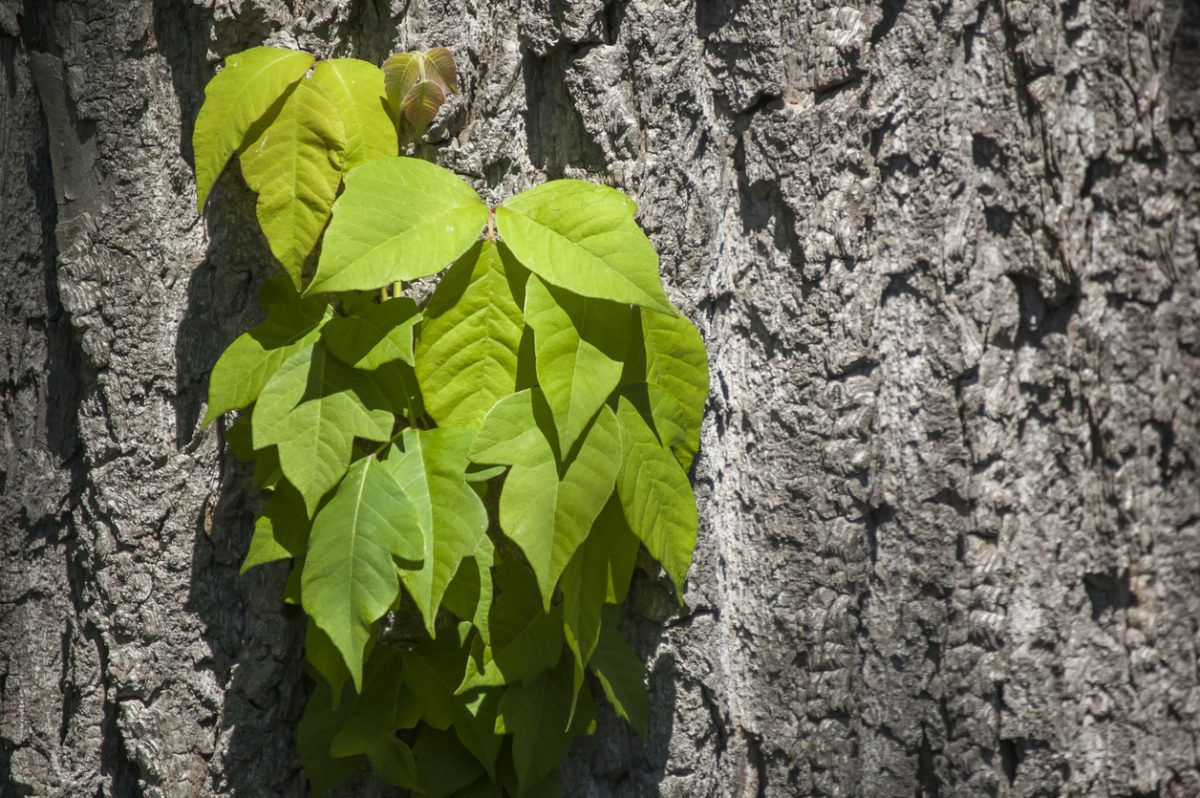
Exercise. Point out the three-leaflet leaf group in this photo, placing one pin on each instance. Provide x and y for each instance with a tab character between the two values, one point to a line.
489	464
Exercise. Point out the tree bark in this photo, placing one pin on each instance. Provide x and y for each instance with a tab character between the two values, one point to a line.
945	259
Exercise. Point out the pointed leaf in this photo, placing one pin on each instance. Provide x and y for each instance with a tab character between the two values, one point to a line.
445	766
674	366
370	725
401	72
245	366
312	409
526	638
374	335
580	347
421	103
432	671
467	352
356	89
325	659
439	66
349	574
430	466
295	167
314	736
621	673
582	237
598	573
234	100
656	496
469	594
536	713
280	530
398	219
548	516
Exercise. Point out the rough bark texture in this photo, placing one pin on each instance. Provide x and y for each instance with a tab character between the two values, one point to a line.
945	257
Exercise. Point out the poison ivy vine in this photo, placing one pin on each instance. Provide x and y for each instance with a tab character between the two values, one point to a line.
462	487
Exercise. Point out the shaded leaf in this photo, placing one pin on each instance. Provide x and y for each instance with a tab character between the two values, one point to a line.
234	100
467	351
398	219
672	362
582	237
622	675
314	737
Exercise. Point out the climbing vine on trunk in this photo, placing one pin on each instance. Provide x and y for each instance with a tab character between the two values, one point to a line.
486	466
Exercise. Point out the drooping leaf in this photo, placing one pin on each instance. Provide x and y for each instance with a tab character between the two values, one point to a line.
580	347
526	638
537	714
238	97
349	573
245	366
295	167
422	103
469	594
430	465
672	362
582	237
398	219
598	573
312	409
432	671
314	737
356	89
374	335
445	766
369	727
467	351
280	530
325	659
622	675
548	516
656	497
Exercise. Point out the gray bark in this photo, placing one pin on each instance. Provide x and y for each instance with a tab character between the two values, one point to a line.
945	257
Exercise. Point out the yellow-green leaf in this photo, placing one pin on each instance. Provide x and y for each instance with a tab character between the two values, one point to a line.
295	166
356	88
234	100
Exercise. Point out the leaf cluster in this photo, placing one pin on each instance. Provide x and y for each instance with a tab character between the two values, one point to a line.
461	488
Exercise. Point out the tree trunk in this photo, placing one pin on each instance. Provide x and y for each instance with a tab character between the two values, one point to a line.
945	258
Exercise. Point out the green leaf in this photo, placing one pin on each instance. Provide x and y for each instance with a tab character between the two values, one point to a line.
548	516
430	465
244	368
598	573
445	766
314	736
280	530
349	573
234	100
674	365
469	340
398	219
312	409
582	237
432	671
295	167
325	659
526	639
537	714
469	594
356	89
369	726
417	84
580	347
622	675
656	496
374	335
